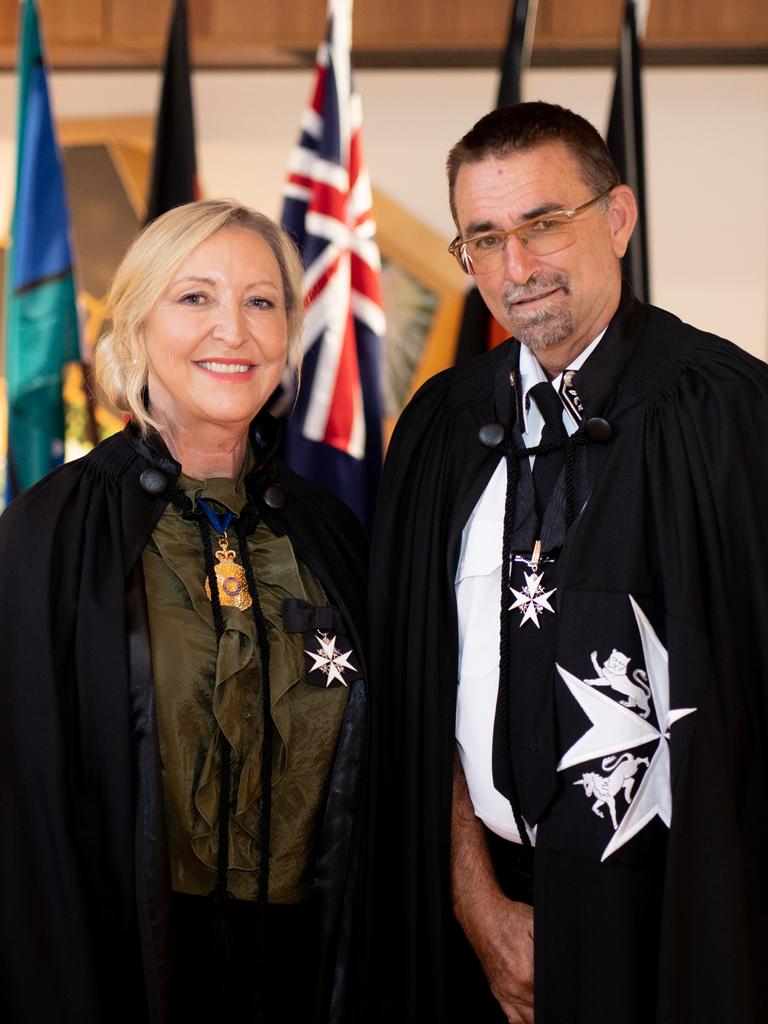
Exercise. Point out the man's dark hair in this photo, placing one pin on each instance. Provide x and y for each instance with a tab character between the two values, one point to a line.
521	126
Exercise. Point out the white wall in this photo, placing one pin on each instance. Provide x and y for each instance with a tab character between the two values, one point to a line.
706	145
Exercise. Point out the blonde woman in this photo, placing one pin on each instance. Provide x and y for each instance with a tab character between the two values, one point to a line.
181	667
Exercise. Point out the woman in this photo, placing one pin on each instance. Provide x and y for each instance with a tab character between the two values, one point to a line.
172	850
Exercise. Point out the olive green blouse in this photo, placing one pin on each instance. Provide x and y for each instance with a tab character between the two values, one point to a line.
200	690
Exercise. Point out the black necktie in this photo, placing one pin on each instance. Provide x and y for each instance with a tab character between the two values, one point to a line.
547	467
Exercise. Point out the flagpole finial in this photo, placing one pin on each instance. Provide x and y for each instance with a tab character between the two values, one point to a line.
642	10
530	29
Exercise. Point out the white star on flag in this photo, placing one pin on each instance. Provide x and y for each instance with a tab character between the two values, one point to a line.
533	600
616	728
329	660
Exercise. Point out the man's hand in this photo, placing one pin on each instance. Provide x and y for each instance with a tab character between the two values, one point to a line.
500	930
501	933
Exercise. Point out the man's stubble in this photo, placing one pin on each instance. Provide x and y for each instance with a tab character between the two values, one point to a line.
542	328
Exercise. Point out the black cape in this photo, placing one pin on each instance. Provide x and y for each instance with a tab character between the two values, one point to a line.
83	863
669	926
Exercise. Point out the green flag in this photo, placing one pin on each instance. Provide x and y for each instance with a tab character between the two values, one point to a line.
41	331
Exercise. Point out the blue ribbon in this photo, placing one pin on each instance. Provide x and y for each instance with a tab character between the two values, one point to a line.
219	523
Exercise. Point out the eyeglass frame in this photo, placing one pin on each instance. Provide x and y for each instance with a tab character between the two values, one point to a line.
465	261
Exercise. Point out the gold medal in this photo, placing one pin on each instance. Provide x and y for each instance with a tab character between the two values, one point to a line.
230	579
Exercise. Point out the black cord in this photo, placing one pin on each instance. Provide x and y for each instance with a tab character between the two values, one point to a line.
510	503
268	737
512	455
225	756
570	485
243	527
220	895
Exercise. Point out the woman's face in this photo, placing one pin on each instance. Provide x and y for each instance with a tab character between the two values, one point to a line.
217	340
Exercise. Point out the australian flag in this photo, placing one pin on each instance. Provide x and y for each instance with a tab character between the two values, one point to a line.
334	433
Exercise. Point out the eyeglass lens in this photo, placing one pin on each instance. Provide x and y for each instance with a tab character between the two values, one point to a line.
541	238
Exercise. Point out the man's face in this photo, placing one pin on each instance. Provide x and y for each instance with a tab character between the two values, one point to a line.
563	300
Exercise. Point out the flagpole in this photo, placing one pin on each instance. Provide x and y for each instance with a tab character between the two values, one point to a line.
478	331
334	434
518	51
625	139
173	180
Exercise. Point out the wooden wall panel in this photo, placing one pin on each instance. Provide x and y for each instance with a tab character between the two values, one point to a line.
298	24
72	21
9	16
258	33
735	23
137	20
199	12
576	24
432	24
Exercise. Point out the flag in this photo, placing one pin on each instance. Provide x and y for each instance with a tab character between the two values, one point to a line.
41	329
174	168
478	330
517	54
334	433
625	141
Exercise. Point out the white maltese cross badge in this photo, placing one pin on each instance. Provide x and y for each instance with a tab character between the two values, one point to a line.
330	661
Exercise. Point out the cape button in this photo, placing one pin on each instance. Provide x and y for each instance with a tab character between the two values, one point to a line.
259	440
275	496
153	481
598	429
491	434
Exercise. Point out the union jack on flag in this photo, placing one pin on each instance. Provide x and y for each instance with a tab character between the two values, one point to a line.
334	434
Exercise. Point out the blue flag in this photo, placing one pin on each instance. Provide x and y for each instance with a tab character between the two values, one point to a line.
41	330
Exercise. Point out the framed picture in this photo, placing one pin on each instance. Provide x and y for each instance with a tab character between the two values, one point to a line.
423	296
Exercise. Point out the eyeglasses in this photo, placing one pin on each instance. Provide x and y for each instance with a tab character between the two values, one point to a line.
541	236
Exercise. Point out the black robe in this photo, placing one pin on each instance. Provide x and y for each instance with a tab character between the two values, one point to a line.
83	862
667	926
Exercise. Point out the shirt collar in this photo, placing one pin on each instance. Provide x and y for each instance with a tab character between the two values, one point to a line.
224	491
532	373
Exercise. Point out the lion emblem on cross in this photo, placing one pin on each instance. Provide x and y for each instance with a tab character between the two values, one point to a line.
613	673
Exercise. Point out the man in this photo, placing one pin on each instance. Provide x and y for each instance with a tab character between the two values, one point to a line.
588	803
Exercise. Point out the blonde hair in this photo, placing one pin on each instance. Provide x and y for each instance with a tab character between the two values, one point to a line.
146	271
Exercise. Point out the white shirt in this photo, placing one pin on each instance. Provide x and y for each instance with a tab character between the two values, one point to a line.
478	597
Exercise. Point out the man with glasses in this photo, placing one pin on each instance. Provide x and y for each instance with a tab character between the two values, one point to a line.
574	529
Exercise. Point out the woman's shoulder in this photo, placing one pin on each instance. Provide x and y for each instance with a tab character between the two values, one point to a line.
329	539
319	503
42	505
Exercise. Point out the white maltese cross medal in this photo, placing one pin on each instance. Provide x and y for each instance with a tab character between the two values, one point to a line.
329	660
533	599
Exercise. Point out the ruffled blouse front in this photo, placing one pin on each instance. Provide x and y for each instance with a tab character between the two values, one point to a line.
203	692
